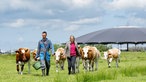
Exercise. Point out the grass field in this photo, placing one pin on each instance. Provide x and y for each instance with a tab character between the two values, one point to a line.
132	69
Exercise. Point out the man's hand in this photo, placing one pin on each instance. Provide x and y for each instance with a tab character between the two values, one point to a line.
37	59
53	54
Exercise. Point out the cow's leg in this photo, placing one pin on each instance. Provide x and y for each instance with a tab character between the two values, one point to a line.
29	67
61	64
109	62
86	65
17	66
22	66
96	63
117	62
83	61
57	66
119	59
92	65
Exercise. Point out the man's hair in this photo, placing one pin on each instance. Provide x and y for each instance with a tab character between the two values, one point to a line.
44	32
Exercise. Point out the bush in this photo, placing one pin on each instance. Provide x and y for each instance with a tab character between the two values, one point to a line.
102	47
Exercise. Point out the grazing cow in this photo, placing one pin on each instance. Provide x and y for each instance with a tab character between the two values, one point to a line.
60	58
22	57
34	52
112	54
91	56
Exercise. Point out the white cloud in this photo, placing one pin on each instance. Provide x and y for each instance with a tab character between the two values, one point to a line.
95	20
18	23
78	3
137	21
127	4
72	28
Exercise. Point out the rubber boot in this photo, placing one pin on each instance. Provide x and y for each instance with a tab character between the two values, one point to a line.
69	71
43	72
47	71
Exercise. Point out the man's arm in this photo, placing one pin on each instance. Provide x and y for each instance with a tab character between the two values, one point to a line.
38	50
52	47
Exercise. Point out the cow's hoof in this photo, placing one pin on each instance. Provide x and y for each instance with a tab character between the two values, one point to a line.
109	66
21	73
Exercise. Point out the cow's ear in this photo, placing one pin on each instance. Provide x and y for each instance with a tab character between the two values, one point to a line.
17	51
26	50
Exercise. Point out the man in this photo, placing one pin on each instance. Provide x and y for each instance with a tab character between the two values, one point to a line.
43	55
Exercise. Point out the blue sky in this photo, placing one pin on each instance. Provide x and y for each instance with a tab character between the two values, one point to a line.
22	21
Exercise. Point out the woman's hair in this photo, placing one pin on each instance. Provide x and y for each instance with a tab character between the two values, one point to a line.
72	36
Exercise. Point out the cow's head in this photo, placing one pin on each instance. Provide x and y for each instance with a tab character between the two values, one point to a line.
22	53
105	55
81	51
58	54
85	52
34	53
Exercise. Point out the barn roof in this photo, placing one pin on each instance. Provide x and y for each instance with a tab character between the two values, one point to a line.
115	35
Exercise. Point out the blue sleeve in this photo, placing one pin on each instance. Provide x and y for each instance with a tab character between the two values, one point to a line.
52	47
38	50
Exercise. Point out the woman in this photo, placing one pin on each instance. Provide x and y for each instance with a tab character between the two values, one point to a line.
71	51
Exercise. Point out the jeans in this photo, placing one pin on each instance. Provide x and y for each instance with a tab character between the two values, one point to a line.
71	64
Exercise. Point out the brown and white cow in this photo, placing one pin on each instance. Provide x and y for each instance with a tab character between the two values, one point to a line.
77	63
34	52
91	56
22	57
112	54
60	58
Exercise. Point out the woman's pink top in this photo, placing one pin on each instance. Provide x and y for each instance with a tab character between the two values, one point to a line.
72	49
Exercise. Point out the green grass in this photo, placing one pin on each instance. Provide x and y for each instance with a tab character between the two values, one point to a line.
131	69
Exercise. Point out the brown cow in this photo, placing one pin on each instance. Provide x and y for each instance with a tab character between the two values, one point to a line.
112	54
91	56
22	57
60	58
34	52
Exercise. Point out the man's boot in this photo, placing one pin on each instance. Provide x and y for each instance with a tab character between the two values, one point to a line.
43	72
47	71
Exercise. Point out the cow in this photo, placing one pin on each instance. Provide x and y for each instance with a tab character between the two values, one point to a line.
90	56
60	58
112	54
22	57
77	63
34	52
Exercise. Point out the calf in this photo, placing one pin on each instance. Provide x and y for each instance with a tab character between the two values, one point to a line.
60	58
112	54
22	57
91	56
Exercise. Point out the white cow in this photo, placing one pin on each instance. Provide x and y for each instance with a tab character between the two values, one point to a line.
60	58
112	54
